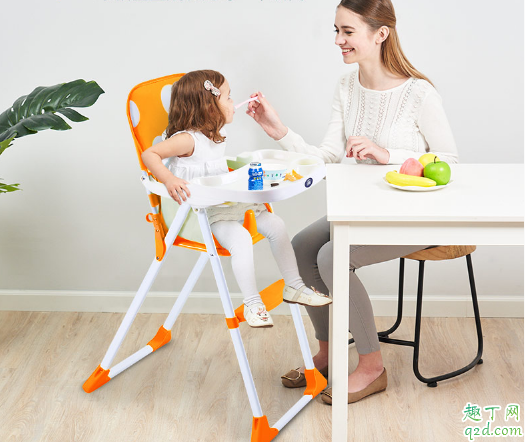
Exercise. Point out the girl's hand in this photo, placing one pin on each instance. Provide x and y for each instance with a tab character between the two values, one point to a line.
177	189
362	147
265	115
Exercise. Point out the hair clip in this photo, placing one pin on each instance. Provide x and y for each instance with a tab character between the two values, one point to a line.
208	85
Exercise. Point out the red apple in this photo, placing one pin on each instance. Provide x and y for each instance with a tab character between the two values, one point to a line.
412	167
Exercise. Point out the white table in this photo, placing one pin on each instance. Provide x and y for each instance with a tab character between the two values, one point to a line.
482	206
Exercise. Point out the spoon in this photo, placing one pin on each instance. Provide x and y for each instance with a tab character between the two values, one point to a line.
237	106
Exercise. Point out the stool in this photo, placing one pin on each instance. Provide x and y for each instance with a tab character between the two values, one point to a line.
433	254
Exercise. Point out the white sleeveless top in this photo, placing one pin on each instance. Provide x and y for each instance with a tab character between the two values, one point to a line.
207	159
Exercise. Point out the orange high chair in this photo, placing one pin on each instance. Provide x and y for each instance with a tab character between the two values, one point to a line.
147	115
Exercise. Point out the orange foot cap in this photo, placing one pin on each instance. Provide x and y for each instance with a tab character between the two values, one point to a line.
261	431
315	382
162	337
98	378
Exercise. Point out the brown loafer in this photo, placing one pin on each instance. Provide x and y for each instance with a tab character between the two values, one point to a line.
375	387
295	379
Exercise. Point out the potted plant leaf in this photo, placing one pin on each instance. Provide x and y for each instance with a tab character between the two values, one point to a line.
43	109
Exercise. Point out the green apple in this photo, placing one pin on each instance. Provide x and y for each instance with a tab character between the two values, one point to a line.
428	158
439	171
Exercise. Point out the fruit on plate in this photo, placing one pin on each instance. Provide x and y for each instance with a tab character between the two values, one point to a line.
428	158
439	171
401	179
412	167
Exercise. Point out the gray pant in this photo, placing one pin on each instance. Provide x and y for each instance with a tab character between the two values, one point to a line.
314	252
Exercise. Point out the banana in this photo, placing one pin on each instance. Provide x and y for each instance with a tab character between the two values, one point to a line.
400	179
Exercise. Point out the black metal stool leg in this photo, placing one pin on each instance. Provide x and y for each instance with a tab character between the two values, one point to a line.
476	310
384	334
399	301
417	332
432	382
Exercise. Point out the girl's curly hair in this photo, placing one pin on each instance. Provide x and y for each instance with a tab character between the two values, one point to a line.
192	107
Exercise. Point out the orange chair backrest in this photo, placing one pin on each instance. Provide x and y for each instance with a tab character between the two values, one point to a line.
147	109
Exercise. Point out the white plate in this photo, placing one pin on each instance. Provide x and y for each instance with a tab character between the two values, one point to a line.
418	188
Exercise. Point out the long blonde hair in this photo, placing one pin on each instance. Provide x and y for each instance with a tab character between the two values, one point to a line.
377	13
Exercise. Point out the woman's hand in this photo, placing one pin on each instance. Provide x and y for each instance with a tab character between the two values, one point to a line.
362	147
177	189
266	116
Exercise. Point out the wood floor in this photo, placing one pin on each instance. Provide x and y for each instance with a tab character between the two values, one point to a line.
191	389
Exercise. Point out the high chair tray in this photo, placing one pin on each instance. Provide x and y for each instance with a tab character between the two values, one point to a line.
233	186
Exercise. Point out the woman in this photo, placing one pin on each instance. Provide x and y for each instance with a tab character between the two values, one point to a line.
384	112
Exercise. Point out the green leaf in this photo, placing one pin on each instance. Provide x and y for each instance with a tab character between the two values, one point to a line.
40	100
72	114
14	114
82	95
37	111
4	144
45	121
4	188
29	100
9	133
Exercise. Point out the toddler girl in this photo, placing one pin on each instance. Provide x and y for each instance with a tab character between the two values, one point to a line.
194	146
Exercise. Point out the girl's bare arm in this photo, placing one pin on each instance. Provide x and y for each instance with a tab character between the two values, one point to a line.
180	145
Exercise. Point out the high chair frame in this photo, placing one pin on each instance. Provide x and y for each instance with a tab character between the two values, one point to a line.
211	251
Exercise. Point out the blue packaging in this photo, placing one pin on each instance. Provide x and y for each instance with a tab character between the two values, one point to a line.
255	176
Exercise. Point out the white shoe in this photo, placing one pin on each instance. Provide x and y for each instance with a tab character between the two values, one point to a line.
305	296
257	316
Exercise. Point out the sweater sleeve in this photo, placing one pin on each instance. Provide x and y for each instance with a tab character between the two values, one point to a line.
434	126
332	148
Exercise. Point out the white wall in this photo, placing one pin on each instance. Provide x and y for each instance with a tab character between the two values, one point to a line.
79	222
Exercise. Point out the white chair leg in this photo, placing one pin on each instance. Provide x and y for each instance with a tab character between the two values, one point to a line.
186	290
228	310
102	373
301	335
292	412
147	282
170	321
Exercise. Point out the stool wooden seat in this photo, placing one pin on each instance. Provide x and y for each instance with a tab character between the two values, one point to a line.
438	253
441	253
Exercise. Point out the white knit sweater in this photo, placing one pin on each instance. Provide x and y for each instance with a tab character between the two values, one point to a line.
408	121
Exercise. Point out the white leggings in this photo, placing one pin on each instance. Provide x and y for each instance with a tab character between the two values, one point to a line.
238	241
